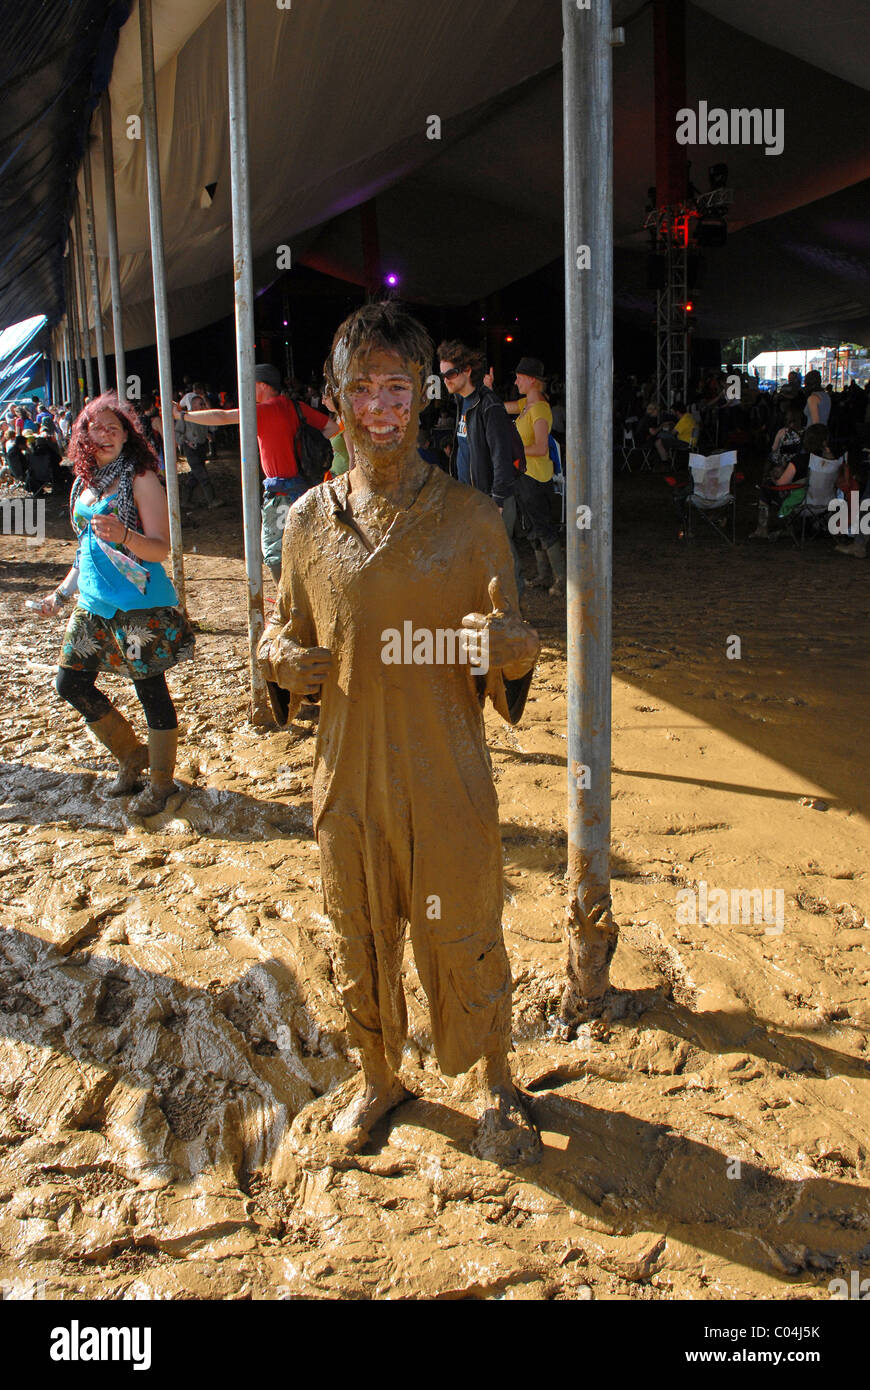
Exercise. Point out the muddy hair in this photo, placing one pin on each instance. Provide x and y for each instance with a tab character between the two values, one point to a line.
463	357
384	325
81	452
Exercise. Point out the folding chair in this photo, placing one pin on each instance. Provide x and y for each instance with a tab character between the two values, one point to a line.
711	497
821	491
628	444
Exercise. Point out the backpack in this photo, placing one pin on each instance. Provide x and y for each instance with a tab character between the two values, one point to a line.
313	452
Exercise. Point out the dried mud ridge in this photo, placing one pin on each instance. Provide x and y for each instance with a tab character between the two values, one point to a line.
168	1006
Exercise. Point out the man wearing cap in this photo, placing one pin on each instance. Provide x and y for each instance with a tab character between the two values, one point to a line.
277	423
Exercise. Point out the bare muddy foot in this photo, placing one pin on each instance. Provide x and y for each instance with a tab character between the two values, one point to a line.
506	1133
346	1116
354	1124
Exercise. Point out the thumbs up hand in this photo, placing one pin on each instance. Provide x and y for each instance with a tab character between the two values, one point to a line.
501	638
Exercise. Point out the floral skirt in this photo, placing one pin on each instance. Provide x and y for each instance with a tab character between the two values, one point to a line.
138	644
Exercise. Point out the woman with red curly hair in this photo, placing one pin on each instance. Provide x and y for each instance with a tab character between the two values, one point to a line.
127	619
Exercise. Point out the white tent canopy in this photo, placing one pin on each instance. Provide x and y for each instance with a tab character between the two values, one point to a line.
340	99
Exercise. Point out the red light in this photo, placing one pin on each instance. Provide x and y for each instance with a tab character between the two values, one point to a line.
689	306
509	338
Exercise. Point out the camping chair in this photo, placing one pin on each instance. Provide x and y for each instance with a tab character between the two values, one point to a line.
628	444
821	491
711	497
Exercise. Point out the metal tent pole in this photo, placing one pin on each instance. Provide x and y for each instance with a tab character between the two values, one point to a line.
95	276
82	297
112	243
588	140
67	366
161	306
73	315
64	377
244	297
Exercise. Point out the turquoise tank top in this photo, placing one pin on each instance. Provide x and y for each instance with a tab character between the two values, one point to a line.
103	590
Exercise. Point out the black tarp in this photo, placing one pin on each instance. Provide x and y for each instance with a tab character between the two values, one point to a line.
55	59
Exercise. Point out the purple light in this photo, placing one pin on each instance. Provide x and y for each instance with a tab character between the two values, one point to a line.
392	279
285	323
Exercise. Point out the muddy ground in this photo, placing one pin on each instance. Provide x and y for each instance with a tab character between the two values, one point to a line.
167	1000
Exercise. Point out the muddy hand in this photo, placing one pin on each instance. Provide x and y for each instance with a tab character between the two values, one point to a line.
301	670
512	644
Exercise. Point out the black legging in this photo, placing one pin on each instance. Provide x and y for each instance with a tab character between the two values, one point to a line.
79	689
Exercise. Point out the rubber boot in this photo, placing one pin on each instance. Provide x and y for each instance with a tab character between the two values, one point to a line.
556	556
856	547
162	746
118	735
760	531
208	492
545	574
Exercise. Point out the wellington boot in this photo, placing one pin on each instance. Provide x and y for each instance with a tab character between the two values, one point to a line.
556	556
211	501
162	746
119	736
857	548
545	576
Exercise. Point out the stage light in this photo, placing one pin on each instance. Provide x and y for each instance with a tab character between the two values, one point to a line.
688	306
509	337
392	279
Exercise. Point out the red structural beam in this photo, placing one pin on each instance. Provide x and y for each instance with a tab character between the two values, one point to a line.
669	47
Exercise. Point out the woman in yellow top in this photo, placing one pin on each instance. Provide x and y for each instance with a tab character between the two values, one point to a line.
535	487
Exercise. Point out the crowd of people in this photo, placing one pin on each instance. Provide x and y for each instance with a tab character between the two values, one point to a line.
779	430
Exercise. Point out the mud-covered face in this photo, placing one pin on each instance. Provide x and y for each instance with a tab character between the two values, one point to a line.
380	404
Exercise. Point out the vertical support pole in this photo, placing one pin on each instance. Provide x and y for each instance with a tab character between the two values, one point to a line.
95	276
112	243
82	297
237	68
69	397
588	139
64	380
161	306
73	315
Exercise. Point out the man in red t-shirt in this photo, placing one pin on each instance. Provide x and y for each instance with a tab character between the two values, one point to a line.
277	423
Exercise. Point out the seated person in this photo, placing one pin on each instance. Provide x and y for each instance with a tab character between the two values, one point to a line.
787	444
16	457
789	476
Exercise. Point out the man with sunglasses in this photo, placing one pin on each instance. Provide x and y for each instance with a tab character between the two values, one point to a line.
486	449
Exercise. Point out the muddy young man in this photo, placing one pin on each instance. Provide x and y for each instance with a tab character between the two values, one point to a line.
405	811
